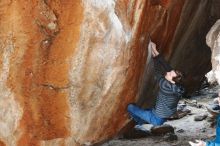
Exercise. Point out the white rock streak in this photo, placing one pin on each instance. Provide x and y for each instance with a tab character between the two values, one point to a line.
213	41
100	60
10	112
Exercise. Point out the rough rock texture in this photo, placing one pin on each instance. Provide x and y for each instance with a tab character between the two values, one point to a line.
213	41
187	51
68	69
190	40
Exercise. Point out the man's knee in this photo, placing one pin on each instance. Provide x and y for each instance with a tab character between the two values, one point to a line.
159	122
130	107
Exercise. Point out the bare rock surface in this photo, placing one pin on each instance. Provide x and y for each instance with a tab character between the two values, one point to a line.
213	41
200	117
69	68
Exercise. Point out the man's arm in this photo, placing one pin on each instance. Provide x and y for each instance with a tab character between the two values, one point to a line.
160	65
165	65
157	67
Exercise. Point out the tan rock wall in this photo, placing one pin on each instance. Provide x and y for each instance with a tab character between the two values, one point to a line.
68	69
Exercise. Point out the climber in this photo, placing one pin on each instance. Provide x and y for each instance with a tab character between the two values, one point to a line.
216	141
168	97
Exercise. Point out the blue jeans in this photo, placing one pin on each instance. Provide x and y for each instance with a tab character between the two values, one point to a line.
142	116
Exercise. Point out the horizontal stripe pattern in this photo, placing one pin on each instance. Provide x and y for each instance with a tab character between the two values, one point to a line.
167	99
169	94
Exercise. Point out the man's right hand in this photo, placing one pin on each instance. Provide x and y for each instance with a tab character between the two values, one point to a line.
152	47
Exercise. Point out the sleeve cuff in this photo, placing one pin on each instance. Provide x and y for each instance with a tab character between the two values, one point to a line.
157	57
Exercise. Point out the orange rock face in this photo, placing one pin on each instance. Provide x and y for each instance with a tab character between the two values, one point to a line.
68	69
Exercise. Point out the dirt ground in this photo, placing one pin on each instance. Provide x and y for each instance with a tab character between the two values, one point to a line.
185	128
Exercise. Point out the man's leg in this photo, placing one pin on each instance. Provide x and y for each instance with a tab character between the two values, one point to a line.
139	115
157	121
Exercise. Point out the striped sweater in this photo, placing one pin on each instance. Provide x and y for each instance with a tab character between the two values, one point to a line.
169	94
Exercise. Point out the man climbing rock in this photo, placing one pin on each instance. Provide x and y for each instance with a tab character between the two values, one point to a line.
169	94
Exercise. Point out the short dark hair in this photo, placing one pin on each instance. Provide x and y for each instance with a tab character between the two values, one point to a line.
178	78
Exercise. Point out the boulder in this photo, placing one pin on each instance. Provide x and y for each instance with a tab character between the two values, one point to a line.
213	41
200	117
68	69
